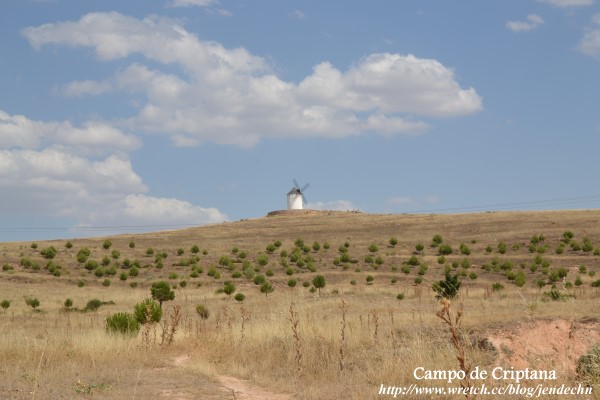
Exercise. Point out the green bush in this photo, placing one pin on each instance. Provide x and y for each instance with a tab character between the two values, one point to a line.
502	248
373	248
147	311
161	291
5	304
49	252
240	297
496	287
436	241
93	305
106	244
266	288
445	249
122	323
32	302
292	283
400	296
393	241
447	288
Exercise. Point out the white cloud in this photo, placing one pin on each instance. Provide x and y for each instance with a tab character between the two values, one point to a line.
143	210
54	181
54	168
231	96
87	87
590	43
191	3
96	138
297	14
336	205
533	21
568	3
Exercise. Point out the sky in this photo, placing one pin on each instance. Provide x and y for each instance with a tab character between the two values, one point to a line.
120	117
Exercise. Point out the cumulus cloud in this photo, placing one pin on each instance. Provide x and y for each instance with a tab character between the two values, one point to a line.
231	96
138	209
590	43
533	21
568	3
96	138
55	168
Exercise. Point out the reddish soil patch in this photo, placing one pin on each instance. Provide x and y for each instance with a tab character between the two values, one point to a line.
545	344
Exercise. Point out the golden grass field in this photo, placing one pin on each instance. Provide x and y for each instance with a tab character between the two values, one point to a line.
295	343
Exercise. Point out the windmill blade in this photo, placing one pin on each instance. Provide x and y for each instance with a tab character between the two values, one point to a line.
304	200
305	187
296	184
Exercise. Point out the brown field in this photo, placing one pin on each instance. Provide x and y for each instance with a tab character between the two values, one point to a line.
296	343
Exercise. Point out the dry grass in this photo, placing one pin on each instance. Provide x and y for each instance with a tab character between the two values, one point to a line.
341	344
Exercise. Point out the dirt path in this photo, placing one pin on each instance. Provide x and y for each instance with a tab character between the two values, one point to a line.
238	389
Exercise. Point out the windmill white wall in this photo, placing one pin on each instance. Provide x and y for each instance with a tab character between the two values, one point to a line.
294	200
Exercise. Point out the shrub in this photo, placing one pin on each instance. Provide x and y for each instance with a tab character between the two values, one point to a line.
496	287
373	248
400	296
93	305
32	302
202	311
445	249
266	288
106	282
502	248
147	311
419	247
464	249
414	261
80	283
262	260
161	291
393	241
269	272
379	260
588	366
68	245
34	245
115	254
240	297
319	282
122	323
307	284
418	280
132	245
447	288
270	248
370	279
258	279
326	246
5	304
106	244
228	288
436	241
292	283
49	252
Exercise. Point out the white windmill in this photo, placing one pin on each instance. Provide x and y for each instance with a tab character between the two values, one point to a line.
295	197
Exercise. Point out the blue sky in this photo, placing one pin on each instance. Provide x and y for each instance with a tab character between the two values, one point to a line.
145	115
